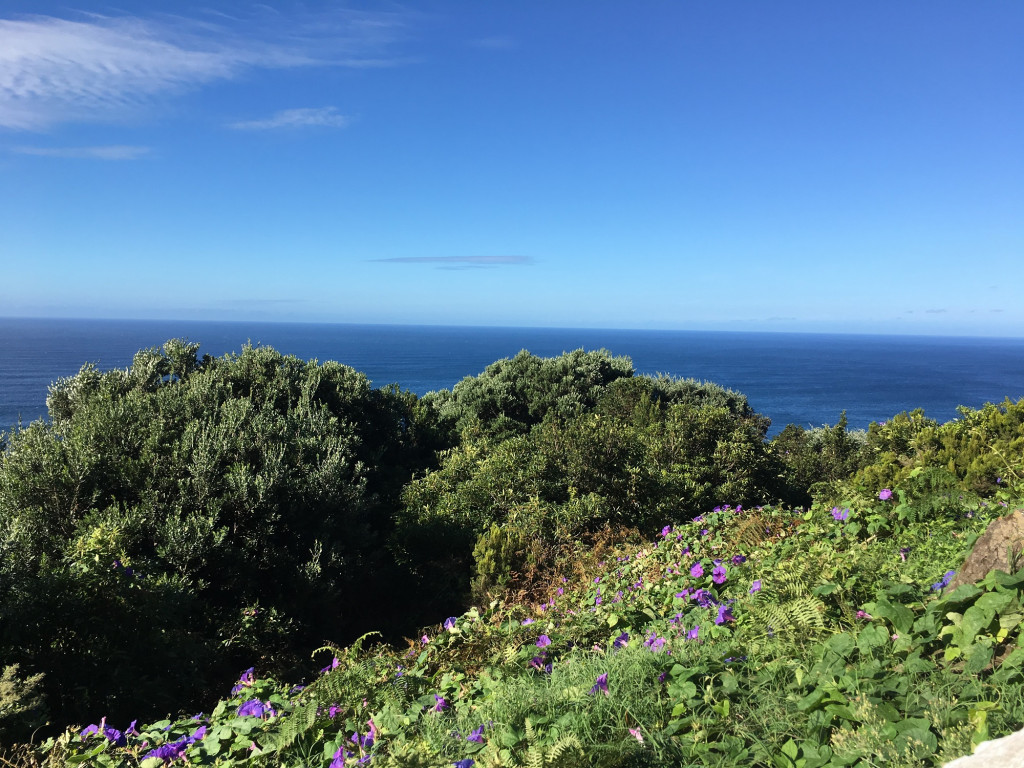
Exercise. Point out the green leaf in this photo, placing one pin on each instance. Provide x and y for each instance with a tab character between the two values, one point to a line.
962	594
899	615
1007	623
915	664
995	602
791	750
812	700
977	657
872	637
975	620
1010	579
841	644
511	737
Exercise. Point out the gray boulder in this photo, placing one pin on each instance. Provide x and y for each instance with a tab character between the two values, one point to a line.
1007	752
998	548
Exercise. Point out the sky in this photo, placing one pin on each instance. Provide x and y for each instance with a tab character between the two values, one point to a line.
783	166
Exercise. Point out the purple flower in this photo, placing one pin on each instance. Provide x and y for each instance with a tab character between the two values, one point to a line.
449	623
255	708
718	574
666	530
543	641
527	622
864	615
756	586
724	615
697	570
692	634
172	751
948	577
738	559
601	684
363	742
110	734
467	763
703	598
654	642
333	665
476	735
621	641
169	752
840	515
115	736
885	494
903	553
246	679
440	704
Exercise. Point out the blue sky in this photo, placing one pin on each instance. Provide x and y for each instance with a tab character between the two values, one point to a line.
789	166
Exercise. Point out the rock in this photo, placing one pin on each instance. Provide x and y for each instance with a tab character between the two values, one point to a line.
990	551
1007	752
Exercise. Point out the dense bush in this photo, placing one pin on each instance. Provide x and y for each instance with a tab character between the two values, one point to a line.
982	451
184	515
646	449
807	457
513	394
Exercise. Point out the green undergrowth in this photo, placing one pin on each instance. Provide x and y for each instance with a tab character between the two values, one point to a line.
755	637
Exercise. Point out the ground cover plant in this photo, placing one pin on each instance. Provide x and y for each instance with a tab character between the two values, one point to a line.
613	613
745	637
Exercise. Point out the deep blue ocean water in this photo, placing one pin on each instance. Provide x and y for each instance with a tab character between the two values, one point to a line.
805	379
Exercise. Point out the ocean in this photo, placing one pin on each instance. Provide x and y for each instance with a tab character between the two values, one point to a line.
804	379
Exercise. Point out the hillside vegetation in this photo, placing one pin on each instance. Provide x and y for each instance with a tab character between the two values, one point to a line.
632	573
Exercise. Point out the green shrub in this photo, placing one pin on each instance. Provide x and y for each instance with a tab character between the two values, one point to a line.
254	494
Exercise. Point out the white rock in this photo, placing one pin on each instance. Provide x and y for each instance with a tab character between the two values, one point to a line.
1007	752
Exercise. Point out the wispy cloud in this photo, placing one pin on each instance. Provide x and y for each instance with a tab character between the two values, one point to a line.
461	262
114	152
56	70
326	117
935	311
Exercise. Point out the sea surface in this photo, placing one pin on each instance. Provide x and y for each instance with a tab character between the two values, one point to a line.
805	379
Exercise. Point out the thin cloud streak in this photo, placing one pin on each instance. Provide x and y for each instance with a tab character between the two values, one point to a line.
115	152
460	262
55	70
325	117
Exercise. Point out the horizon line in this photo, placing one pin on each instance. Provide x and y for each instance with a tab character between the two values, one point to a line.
944	334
